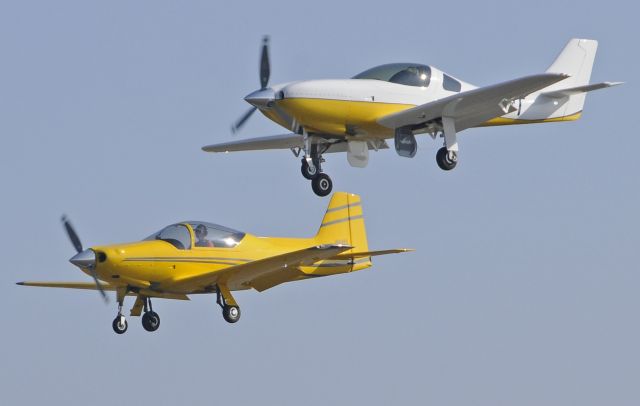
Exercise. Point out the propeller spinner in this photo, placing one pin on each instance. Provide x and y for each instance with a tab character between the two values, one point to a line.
84	259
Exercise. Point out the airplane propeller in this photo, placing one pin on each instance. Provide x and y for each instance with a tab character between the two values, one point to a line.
84	259
265	74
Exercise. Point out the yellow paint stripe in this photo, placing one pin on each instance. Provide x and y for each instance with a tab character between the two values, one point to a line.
343	213
342	220
514	121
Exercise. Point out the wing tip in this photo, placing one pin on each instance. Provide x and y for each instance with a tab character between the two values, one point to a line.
20	283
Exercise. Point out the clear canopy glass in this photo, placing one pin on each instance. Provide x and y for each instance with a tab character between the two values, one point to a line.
409	74
206	235
213	235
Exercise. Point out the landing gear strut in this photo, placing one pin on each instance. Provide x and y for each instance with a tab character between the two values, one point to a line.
120	323
230	309
447	156
311	167
150	319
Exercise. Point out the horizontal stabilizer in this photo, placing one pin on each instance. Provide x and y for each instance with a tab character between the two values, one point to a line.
558	94
365	254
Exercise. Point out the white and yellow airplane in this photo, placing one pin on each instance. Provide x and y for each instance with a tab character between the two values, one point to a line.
195	257
401	100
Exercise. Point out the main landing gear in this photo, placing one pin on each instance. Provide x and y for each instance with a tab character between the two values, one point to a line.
320	182
447	156
150	319
447	160
230	309
311	167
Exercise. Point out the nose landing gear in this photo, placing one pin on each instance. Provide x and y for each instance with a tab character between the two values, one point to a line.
320	182
150	319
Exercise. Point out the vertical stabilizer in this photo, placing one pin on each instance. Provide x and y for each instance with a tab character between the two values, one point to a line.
576	60
343	222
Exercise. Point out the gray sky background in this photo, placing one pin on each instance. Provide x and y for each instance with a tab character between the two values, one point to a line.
524	286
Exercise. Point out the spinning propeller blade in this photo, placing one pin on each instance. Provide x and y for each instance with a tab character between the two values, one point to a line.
83	259
238	124
265	74
73	236
265	68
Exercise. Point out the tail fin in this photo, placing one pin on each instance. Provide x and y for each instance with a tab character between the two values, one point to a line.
343	222
576	60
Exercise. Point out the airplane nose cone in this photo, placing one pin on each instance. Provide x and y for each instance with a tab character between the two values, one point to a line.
262	98
84	259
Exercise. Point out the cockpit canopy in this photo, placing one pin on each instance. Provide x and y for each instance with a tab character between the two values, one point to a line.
198	234
409	74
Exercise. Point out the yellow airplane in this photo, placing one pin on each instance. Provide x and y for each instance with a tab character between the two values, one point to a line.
401	100
195	257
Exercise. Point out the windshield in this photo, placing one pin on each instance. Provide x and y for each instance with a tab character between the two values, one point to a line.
177	235
215	236
409	74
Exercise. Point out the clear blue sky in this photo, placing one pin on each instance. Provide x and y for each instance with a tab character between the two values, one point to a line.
524	286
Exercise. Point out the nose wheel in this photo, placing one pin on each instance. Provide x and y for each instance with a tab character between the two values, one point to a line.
120	324
320	182
322	185
308	171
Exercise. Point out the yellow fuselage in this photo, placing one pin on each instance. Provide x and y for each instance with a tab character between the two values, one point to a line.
147	263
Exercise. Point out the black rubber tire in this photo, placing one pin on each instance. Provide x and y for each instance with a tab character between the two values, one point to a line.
231	313
322	185
150	321
306	170
117	327
443	161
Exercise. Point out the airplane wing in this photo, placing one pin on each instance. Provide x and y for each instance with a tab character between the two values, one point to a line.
473	107
284	141
243	275
69	285
105	286
333	143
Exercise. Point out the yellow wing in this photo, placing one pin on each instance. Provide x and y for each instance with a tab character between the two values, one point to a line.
242	276
69	285
105	286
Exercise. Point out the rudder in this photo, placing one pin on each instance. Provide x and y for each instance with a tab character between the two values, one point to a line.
343	222
575	60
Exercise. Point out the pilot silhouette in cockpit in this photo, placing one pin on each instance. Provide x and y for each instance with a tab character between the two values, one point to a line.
201	237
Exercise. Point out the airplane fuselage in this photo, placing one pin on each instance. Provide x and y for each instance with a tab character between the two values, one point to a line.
353	106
